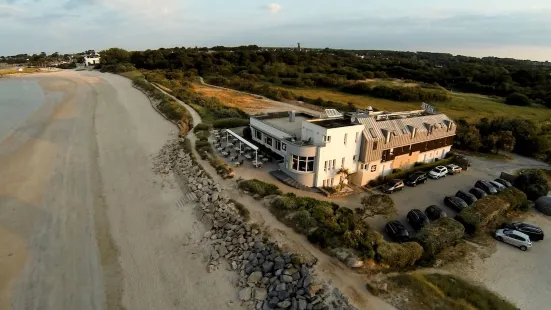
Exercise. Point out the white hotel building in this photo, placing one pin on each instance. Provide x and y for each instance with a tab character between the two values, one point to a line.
368	144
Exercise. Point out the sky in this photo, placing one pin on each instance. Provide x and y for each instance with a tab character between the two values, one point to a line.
505	28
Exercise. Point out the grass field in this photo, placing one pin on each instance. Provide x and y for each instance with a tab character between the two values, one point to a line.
4	72
470	107
132	74
438	291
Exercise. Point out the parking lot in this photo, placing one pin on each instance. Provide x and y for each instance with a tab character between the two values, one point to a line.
434	191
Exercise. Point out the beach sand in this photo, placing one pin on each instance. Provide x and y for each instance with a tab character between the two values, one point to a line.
84	221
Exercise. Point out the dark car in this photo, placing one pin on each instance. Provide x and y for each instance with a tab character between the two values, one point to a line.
417	219
455	203
397	231
392	186
416	178
534	232
478	193
503	182
498	186
467	197
486	186
434	213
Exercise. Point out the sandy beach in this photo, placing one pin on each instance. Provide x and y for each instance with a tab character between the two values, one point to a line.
84	221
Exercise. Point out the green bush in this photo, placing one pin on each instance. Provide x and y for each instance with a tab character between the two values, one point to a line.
483	212
304	221
515	197
399	255
202	135
439	234
230	123
533	183
201	127
258	187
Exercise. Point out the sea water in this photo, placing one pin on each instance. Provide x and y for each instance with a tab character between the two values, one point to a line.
19	97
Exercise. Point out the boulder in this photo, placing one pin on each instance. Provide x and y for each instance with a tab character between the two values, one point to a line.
254	277
286	279
245	294
284	304
259	293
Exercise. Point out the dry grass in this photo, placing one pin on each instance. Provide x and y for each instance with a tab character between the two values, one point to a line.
470	107
446	292
247	103
132	74
10	71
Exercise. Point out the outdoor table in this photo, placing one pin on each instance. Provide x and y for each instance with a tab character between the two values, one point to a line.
225	154
265	159
220	149
237	164
229	144
257	164
248	157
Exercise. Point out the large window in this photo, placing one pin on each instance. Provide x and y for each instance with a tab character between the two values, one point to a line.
278	145
302	163
258	134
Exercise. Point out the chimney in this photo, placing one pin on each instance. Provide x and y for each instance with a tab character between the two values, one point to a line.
387	136
291	116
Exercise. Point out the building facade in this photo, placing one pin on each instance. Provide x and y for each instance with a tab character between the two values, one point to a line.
320	151
91	60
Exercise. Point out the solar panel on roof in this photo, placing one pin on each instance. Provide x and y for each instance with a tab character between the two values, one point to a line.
332	113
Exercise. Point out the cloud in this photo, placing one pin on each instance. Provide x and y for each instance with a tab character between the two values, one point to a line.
274	8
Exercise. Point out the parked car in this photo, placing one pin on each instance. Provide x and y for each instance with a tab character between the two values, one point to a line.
454	169
514	237
416	178
503	182
534	232
417	219
478	193
455	203
467	197
434	213
392	186
438	172
463	162
499	187
397	231
486	187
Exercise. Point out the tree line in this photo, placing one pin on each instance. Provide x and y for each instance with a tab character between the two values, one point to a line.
336	68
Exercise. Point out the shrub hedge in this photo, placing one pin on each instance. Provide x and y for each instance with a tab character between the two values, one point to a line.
486	210
230	123
417	167
201	127
439	234
258	187
399	255
243	211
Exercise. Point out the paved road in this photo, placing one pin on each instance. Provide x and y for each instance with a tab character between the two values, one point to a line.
84	221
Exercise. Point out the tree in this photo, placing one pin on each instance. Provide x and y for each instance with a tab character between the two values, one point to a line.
345	173
114	56
533	184
468	138
518	99
490	142
377	204
506	141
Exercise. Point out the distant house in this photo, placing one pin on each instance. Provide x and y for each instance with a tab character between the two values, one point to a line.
91	60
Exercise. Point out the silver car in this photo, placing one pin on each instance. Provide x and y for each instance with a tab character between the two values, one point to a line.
514	237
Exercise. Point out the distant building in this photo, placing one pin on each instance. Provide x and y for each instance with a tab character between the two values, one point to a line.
368	144
91	60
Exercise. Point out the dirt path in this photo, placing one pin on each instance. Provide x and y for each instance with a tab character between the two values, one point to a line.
84	221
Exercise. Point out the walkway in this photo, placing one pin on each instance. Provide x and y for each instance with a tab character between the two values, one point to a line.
330	269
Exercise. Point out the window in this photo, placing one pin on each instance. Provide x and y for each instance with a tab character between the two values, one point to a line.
375	145
373	168
284	146
258	134
327	138
323	138
345	138
278	145
357	134
354	158
324	183
334	163
325	166
342	163
268	141
302	163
